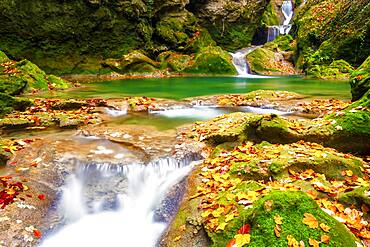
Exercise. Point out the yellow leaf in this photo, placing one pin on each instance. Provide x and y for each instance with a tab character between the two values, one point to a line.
278	219
221	226
349	173
217	213
292	242
310	221
277	230
230	197
313	242
242	239
325	239
206	213
177	238
229	217
241	196
324	227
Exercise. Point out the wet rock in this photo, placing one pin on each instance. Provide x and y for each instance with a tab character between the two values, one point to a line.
68	105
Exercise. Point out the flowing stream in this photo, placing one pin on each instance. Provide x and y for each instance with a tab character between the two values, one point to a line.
111	205
241	64
287	11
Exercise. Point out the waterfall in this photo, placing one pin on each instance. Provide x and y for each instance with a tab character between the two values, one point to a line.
284	28
136	192
240	61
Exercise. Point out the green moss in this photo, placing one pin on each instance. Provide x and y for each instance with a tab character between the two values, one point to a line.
133	62
176	28
360	80
358	196
9	103
270	17
291	206
332	30
212	60
3	57
338	70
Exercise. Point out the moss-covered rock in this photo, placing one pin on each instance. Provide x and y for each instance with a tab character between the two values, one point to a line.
332	30
347	130
132	62
3	57
271	15
8	103
338	70
274	58
291	207
212	60
360	80
176	28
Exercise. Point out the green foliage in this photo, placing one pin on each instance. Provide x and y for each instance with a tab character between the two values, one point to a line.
270	17
360	80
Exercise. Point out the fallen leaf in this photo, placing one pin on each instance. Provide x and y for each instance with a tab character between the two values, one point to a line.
313	242
292	242
324	227
242	239
221	226
325	239
41	197
244	229
231	243
277	230
310	221
37	233
278	220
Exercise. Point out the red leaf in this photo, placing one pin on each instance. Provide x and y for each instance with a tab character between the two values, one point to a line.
231	243
244	229
37	233
41	197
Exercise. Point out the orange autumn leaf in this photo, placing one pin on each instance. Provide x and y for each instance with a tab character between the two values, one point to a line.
278	220
277	230
37	233
313	242
324	227
292	242
325	239
310	221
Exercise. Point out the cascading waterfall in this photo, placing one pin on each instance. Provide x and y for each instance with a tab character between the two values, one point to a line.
129	219
274	31
240	61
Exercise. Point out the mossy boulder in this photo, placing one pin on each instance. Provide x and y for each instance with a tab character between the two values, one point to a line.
231	24
267	62
360	80
332	30
8	103
212	60
347	131
132	62
176	62
271	15
176	28
338	70
3	57
291	207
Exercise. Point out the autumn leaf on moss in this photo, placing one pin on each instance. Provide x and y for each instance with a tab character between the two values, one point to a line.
324	227
325	239
277	230
242	239
221	226
313	242
278	220
292	242
310	221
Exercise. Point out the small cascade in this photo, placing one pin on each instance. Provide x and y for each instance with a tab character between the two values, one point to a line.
240	61
287	11
115	205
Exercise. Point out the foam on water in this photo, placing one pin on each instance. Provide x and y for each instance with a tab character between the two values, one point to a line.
132	223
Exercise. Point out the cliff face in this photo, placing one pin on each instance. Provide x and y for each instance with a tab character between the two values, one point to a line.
329	30
75	36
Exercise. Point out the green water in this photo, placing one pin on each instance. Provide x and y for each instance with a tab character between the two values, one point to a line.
184	87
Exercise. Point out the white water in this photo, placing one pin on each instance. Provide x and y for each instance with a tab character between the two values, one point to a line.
284	28
133	223
259	110
196	112
115	113
241	64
